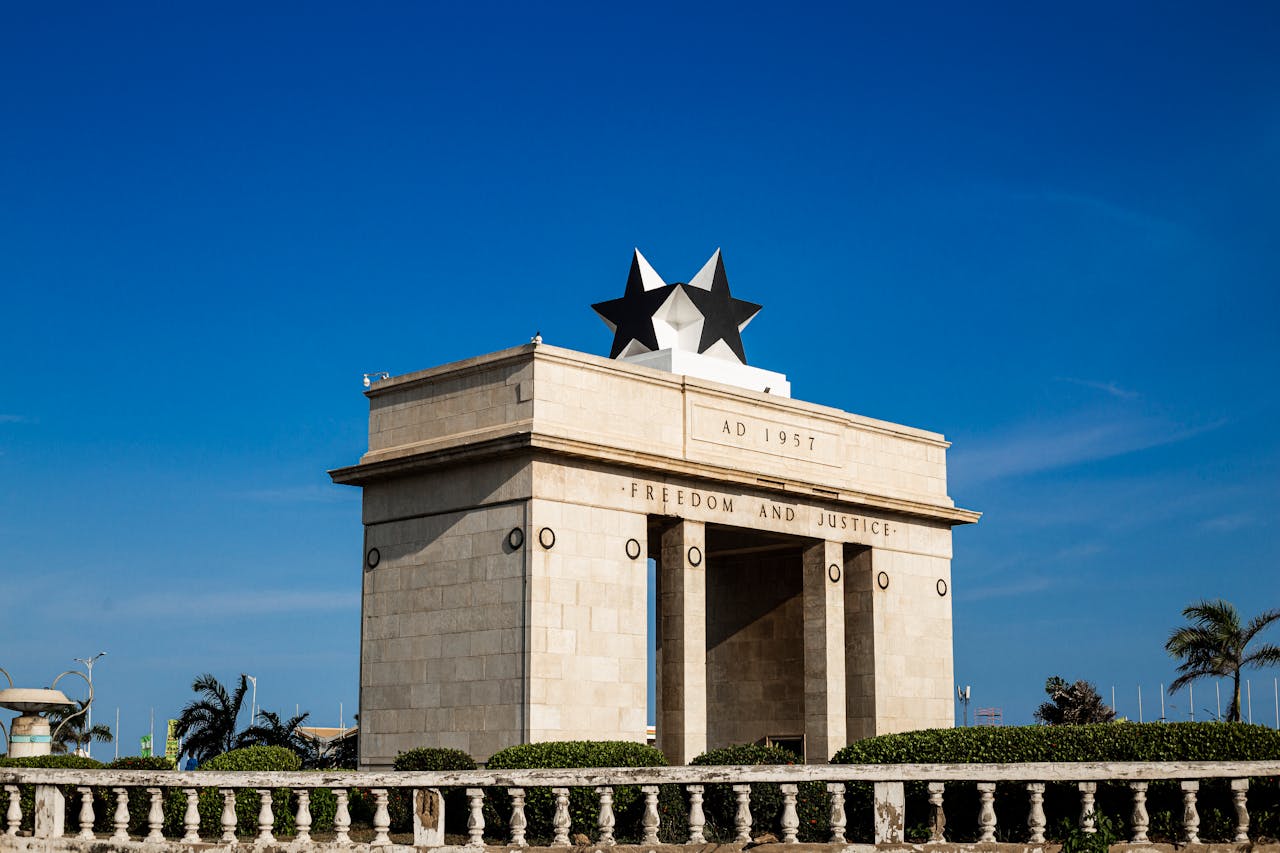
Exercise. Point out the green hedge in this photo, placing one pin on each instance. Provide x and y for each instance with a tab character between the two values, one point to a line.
27	793
251	758
104	805
584	808
400	804
813	804
1098	742
141	762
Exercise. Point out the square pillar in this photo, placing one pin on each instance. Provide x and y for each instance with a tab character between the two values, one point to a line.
861	699
825	728
682	676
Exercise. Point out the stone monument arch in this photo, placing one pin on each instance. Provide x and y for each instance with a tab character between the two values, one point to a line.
512	501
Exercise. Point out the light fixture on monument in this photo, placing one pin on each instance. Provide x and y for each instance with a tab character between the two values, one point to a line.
694	329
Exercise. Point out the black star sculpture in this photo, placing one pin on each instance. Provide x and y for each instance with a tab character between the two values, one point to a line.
724	317
649	301
631	317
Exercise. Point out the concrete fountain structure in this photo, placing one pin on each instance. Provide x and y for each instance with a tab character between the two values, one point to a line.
30	733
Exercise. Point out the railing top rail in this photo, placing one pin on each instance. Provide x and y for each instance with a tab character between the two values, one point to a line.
590	777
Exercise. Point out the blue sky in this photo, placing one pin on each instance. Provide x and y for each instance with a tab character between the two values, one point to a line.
1049	233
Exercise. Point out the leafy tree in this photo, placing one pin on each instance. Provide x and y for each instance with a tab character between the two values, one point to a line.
1072	704
73	736
1216	645
207	726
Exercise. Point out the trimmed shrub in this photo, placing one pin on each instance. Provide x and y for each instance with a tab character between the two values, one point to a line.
260	758
813	804
141	762
400	804
1098	742
27	793
584	805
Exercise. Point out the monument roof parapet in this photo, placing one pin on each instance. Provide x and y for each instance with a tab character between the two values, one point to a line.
537	397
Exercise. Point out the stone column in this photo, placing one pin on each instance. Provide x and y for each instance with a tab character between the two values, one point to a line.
860	645
682	679
824	652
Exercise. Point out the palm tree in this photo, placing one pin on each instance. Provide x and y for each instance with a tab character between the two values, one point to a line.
270	731
73	737
207	726
1215	645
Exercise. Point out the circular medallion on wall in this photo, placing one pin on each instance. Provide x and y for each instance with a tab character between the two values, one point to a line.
942	587
833	572
515	538
695	555
633	548
547	538
882	580
372	558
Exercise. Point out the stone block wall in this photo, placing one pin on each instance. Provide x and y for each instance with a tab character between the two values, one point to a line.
587	612
442	635
755	648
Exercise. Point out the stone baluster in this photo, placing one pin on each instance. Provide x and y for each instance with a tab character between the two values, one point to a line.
341	817
649	822
937	816
14	814
266	818
519	823
790	820
606	821
1240	795
191	818
155	816
382	819
228	821
697	819
839	820
1035	814
742	818
1139	820
303	818
986	811
121	818
560	821
1088	816
1190	817
475	817
86	813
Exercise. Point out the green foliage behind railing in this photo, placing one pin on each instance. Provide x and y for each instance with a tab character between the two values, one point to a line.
628	803
813	804
400	803
1099	742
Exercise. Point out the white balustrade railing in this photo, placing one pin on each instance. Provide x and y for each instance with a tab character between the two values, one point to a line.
49	808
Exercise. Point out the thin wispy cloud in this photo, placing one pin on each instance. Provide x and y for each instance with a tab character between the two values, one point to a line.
1010	589
308	494
14	419
1111	388
63	598
1079	439
1228	523
1097	207
248	602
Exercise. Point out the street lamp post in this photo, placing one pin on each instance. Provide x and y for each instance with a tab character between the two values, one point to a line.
88	722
